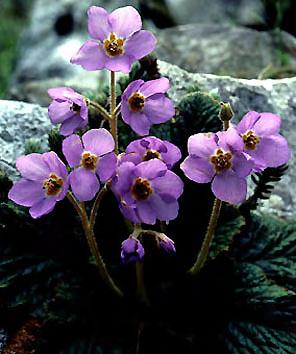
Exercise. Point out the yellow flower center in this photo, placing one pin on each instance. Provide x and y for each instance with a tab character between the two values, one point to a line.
89	160
53	185
151	154
250	140
114	45
221	160
141	189
136	101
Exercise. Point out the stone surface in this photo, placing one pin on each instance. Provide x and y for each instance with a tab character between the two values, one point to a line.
244	12
276	96
226	50
19	122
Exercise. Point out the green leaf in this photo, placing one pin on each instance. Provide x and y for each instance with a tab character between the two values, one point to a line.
224	236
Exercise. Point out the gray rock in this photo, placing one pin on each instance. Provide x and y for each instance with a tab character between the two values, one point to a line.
245	95
243	12
226	50
19	122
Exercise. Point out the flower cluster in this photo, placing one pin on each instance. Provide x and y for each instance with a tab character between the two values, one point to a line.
226	158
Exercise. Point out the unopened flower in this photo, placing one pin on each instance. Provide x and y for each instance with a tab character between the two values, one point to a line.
147	191
132	250
117	40
145	103
167	244
219	158
91	157
68	108
149	148
44	182
262	141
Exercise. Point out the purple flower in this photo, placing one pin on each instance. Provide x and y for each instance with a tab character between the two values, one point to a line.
131	250
262	141
117	40
167	245
145	103
44	182
68	108
147	191
219	158
149	148
90	158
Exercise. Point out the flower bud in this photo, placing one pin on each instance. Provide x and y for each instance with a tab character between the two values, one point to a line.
131	250
167	245
226	112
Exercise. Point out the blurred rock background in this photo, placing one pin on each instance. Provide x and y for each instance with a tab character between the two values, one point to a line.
218	43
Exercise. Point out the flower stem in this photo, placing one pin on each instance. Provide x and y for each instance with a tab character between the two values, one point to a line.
100	109
113	122
205	247
96	205
89	234
203	254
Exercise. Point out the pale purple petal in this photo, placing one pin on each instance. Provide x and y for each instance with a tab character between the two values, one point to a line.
125	176
159	109
121	63
202	145
169	184
98	25
26	193
230	140
242	165
150	169
130	157
164	211
140	44
173	154
43	207
146	212
131	88
106	166
272	151
247	122
55	164
59	92
267	124
60	111
130	213
84	184
197	169
98	141
152	87
139	122
131	251
125	21
71	124
91	56
230	188
33	167
72	149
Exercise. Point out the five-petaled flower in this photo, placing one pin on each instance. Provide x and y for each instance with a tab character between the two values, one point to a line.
262	141
132	250
90	157
147	191
219	158
117	40
149	148
145	103
44	182
68	108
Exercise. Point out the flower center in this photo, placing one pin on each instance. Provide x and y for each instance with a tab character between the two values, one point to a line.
89	160
114	45
53	185
141	189
250	140
136	102
221	160
75	108
151	154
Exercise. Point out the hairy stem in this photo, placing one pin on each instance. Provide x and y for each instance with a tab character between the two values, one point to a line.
205	247
96	205
92	243
101	110
113	122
